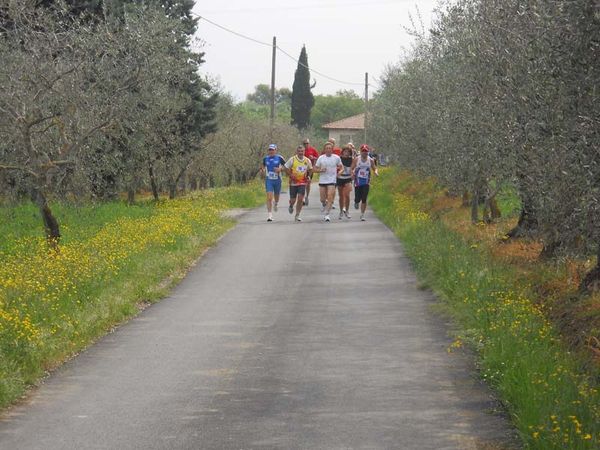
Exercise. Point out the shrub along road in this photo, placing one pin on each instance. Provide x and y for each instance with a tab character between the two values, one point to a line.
284	335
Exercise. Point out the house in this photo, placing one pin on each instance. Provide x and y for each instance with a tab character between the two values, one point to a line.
350	129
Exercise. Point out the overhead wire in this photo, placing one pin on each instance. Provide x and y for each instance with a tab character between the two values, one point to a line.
267	44
233	32
317	72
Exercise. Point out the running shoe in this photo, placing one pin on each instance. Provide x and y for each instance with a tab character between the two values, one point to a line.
356	206
269	219
291	209
298	219
362	217
327	219
347	214
275	207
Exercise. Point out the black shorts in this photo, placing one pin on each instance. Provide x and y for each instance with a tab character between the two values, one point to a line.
297	190
361	193
343	181
326	184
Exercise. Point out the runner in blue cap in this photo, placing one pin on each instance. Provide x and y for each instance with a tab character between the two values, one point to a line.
270	169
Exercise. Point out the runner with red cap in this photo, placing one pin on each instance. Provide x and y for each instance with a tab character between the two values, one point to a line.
361	169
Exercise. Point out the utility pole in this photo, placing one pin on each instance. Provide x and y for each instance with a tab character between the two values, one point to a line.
272	122
366	102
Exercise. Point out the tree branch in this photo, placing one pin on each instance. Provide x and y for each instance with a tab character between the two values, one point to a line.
41	119
19	168
86	136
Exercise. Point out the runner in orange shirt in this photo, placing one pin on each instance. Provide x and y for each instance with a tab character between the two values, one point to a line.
336	150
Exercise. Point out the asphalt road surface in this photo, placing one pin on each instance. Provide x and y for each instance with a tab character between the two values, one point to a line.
285	335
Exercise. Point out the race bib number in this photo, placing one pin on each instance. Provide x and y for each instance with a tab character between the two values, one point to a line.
272	175
363	173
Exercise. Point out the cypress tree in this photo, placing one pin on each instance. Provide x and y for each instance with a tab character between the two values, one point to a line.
302	97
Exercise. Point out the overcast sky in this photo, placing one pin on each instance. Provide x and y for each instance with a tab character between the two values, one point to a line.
343	38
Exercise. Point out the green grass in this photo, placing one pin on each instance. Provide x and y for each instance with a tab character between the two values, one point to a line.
508	201
553	402
113	259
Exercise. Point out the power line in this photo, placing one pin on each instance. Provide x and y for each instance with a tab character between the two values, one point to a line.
317	72
278	48
233	32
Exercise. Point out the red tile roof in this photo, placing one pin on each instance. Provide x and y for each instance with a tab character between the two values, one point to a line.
349	123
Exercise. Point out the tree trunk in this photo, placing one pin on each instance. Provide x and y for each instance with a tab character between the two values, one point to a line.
172	189
50	222
180	176
527	224
153	185
466	201
550	250
591	282
490	207
475	204
494	209
130	196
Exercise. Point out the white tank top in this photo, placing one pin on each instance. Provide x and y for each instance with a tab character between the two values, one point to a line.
363	172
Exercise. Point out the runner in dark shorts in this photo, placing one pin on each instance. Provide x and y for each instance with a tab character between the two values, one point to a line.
328	166
344	181
299	168
312	154
362	167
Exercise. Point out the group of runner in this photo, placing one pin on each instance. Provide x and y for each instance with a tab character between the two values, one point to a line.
337	168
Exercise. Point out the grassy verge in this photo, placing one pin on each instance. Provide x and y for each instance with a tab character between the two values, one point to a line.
113	258
553	400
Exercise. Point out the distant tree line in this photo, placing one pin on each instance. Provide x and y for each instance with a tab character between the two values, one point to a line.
506	92
233	153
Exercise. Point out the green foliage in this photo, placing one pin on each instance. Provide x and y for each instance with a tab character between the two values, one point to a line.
127	108
302	97
262	95
553	403
329	108
233	153
506	92
254	110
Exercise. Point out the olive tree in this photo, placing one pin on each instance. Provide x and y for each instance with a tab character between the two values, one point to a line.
506	92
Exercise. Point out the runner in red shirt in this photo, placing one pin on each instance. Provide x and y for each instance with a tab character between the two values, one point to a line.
336	150
312	154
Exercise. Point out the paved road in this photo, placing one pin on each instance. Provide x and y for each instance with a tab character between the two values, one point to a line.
284	336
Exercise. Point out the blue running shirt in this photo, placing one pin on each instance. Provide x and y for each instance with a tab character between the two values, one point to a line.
271	163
